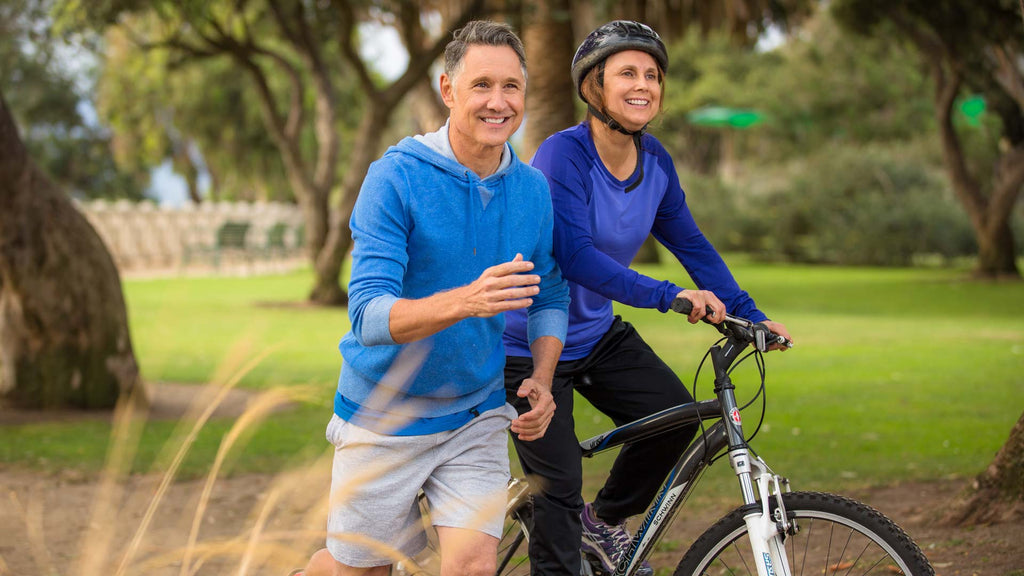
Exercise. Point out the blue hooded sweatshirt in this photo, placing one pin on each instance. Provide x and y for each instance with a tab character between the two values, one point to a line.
423	223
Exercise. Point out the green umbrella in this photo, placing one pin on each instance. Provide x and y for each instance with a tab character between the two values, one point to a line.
720	116
973	108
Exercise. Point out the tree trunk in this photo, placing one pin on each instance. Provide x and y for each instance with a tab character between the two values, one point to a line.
989	215
427	108
648	253
549	91
64	337
997	255
381	103
327	288
997	494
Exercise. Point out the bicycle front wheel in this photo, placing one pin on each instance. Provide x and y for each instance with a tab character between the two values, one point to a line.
836	536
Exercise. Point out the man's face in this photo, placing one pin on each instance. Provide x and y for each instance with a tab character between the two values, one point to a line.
486	97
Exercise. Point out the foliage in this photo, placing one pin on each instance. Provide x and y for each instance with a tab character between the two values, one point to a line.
202	113
822	85
970	48
47	81
873	204
846	169
826	85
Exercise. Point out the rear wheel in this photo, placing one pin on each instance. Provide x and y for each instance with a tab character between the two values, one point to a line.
513	557
836	536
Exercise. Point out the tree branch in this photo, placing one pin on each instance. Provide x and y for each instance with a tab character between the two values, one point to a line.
946	73
301	37
419	62
296	111
346	26
1009	181
282	22
1007	74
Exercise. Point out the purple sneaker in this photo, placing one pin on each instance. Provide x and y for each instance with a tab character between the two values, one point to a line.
607	542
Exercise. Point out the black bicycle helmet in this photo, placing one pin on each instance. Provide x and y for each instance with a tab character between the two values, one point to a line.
613	37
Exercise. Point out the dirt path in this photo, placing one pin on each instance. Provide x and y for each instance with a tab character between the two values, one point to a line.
45	521
67	524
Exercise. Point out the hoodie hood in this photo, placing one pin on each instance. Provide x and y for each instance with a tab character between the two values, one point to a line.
438	142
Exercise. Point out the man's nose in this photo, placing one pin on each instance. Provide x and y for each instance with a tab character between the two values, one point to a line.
496	101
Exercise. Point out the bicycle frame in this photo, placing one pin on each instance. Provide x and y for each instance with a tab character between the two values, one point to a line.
756	480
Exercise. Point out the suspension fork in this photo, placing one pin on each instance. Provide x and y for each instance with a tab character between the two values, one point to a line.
757	482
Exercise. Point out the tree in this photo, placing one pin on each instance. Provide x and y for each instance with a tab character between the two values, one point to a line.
203	116
743	21
969	47
997	493
550	94
46	95
64	338
289	39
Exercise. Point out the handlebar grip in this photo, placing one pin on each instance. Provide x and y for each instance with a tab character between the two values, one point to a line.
682	306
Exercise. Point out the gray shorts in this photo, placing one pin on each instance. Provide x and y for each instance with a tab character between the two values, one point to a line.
375	517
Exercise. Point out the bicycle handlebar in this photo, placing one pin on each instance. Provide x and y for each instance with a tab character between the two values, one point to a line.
738	328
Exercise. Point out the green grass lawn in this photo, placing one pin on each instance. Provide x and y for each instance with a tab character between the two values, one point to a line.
897	374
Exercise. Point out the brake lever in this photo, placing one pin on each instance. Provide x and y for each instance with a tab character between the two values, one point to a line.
764	338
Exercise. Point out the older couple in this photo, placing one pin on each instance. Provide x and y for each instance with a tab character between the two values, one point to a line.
481	292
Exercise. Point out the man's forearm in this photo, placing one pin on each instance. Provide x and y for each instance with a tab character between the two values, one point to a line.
412	320
545	351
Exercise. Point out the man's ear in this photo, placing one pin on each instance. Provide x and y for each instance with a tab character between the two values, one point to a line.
447	91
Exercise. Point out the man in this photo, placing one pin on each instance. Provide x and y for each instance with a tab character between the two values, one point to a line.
450	231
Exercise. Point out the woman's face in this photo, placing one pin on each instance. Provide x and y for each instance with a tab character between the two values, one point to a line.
632	94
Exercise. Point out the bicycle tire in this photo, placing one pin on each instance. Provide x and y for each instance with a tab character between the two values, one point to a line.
513	554
837	536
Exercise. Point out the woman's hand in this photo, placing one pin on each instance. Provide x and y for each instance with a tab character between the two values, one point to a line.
780	329
701	299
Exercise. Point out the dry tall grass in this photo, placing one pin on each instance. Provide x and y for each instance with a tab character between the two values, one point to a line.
132	528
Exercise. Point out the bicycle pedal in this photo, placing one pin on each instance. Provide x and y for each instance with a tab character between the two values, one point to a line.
590	566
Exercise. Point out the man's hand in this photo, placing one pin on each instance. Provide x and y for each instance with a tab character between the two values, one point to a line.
533	424
500	288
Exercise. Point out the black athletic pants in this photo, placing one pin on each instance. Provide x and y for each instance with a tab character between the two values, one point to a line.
623	378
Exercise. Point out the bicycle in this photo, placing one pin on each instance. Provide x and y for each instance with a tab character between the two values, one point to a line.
776	532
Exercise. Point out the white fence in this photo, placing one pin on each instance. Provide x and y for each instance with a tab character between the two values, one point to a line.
146	238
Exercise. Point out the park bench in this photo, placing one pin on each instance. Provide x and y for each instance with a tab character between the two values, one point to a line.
229	239
276	245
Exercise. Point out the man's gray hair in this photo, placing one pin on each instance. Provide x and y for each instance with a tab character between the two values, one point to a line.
482	33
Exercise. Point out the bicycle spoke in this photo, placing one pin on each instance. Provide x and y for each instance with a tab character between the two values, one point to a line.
836	537
743	558
859	556
807	544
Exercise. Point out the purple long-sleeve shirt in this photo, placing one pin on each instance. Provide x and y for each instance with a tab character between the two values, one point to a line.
599	228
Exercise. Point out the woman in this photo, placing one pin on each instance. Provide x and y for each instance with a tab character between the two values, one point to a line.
611	186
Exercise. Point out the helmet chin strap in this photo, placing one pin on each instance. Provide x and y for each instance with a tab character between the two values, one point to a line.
614	125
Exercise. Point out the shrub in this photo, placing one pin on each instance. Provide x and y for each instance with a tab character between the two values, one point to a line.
880	204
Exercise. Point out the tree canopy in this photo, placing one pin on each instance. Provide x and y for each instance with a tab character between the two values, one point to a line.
969	48
48	82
